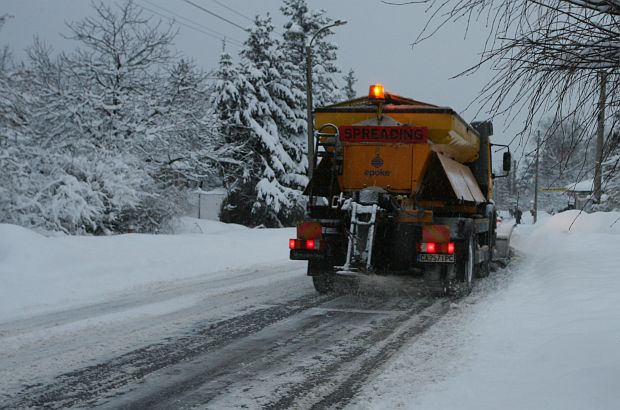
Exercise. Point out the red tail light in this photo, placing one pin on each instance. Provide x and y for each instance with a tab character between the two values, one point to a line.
430	247
291	243
310	244
451	247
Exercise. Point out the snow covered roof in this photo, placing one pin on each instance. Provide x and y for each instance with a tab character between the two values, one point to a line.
216	191
586	185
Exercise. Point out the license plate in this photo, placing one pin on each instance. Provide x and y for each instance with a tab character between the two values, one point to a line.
435	258
304	255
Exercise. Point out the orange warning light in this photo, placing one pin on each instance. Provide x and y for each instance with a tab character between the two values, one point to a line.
376	92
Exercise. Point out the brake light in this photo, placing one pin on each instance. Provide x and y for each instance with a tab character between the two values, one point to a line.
430	247
291	243
310	244
434	247
451	247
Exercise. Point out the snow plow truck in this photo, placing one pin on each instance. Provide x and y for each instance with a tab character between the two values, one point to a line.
399	187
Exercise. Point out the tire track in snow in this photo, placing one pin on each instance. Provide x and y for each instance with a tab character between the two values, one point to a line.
85	386
316	358
339	381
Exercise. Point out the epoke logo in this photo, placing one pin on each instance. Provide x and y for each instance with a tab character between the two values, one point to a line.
377	162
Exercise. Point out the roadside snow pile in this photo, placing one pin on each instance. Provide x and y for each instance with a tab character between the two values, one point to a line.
580	222
42	273
542	334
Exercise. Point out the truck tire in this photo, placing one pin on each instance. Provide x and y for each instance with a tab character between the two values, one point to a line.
485	268
322	276
323	283
466	265
488	239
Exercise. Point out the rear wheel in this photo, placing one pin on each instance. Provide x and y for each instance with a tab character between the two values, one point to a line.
465	265
322	276
485	268
323	283
488	239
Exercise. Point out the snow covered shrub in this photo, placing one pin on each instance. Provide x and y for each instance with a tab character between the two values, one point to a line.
74	194
238	204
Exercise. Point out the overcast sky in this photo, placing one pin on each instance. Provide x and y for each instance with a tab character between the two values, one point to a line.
376	42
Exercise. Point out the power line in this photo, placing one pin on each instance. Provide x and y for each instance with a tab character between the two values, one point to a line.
218	37
233	10
184	24
215	15
241	15
221	36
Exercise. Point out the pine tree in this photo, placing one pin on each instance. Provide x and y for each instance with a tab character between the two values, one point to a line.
302	24
230	102
261	109
349	85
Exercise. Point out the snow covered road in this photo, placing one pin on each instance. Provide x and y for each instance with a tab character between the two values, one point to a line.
270	342
215	319
239	333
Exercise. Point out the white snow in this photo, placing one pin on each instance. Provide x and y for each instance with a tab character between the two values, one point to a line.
41	273
581	186
542	334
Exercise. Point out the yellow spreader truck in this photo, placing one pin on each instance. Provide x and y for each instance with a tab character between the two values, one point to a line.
399	187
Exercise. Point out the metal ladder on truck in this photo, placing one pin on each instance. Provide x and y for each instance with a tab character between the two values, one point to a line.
363	217
361	238
326	146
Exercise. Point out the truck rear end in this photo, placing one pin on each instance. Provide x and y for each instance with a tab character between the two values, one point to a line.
400	186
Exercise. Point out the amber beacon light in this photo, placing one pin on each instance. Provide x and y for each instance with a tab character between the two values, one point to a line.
376	92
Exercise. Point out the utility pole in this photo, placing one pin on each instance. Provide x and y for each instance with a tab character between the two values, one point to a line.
600	135
536	178
309	123
514	177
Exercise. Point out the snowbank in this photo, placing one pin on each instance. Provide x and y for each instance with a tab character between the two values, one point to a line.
542	334
41	273
577	222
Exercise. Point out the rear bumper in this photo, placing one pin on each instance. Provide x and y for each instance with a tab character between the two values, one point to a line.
306	255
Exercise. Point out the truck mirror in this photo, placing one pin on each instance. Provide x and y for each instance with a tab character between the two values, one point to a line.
507	160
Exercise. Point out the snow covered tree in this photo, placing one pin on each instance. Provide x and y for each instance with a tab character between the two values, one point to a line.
349	85
302	24
186	141
256	107
15	146
565	158
101	129
564	155
611	173
229	99
119	51
117	69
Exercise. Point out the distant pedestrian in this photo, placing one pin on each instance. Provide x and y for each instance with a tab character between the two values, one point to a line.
518	214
